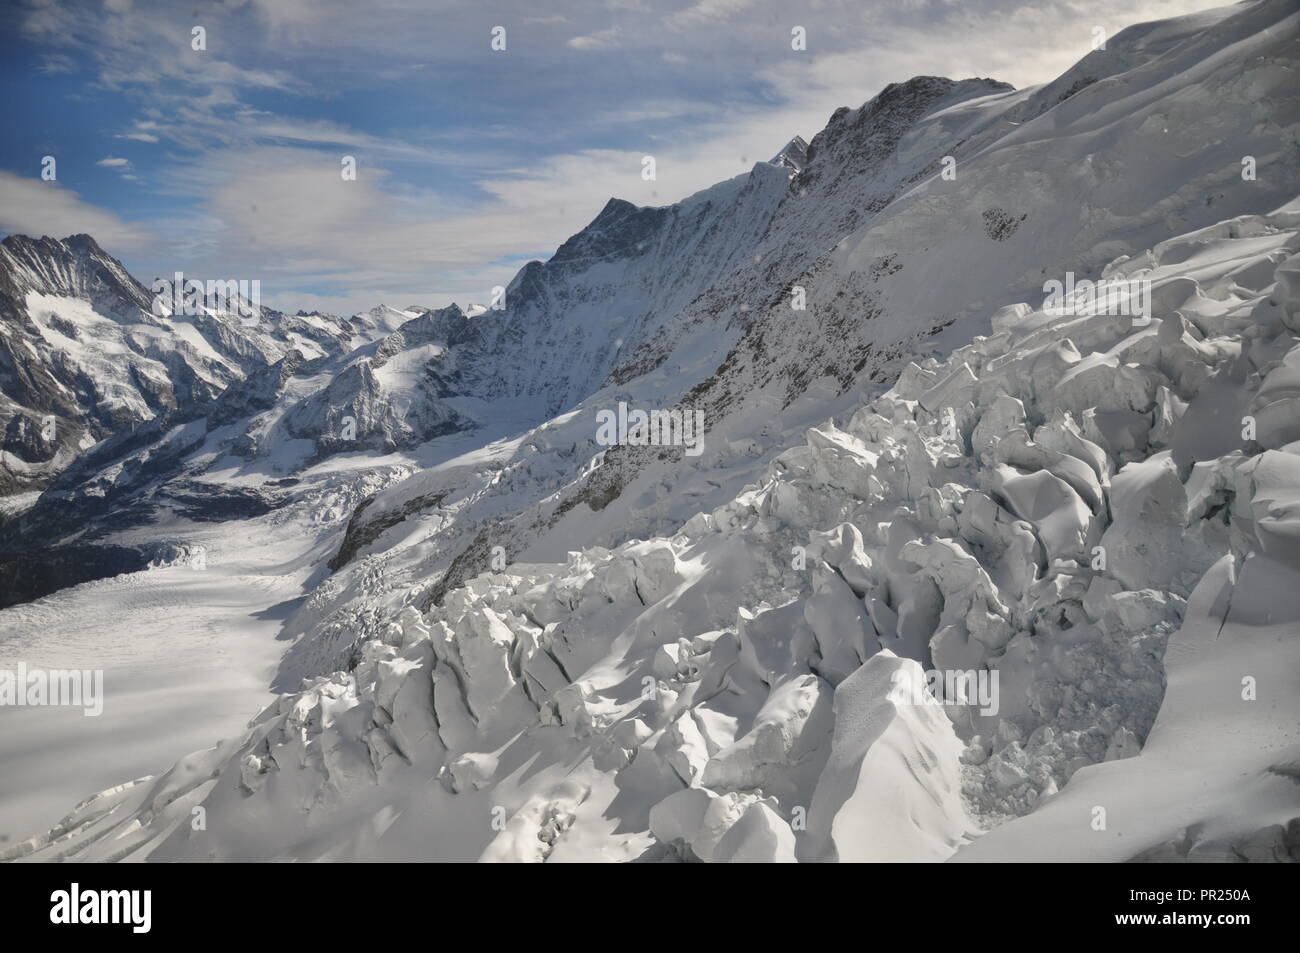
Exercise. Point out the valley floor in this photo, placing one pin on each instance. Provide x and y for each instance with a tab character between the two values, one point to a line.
188	656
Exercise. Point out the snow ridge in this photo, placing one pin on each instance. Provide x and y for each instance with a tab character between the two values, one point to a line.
746	689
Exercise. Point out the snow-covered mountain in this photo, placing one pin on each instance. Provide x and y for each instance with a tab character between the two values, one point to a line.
892	257
752	687
519	643
85	353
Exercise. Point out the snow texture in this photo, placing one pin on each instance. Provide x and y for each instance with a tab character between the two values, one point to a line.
727	658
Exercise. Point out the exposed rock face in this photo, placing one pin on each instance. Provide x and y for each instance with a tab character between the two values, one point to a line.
83	355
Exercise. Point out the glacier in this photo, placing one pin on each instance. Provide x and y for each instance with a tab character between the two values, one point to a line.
511	643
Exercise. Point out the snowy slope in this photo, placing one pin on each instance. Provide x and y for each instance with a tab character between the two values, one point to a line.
712	695
714	657
889	253
83	347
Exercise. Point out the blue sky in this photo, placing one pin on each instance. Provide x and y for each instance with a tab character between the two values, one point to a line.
225	162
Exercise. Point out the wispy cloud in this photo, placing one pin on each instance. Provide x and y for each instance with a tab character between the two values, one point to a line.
32	207
53	63
472	159
711	10
142	130
600	40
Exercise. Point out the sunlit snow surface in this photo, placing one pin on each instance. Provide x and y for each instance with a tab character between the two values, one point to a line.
771	692
715	663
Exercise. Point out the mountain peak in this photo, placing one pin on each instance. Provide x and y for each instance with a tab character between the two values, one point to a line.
793	155
888	114
80	242
75	266
83	241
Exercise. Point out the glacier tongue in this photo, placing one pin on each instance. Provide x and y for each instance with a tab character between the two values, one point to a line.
754	686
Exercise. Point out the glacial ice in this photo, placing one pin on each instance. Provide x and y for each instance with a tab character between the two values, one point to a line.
719	695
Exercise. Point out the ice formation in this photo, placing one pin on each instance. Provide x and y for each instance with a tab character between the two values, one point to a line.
1047	503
